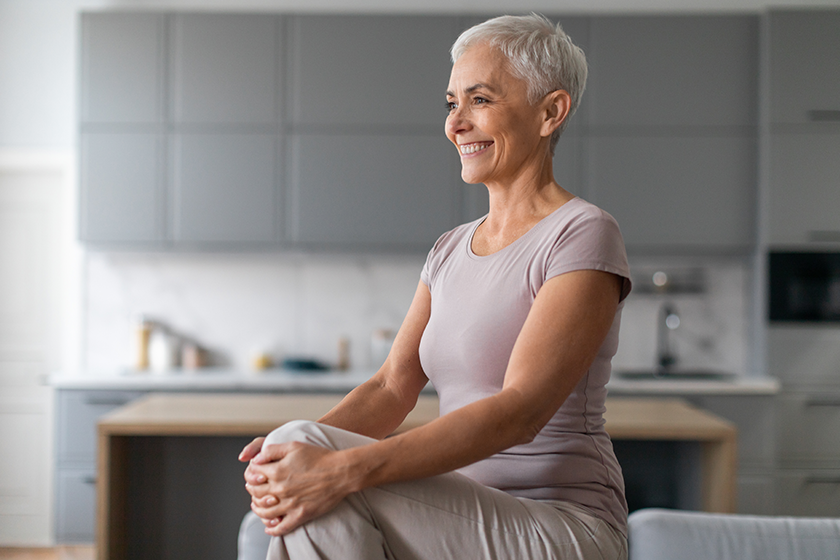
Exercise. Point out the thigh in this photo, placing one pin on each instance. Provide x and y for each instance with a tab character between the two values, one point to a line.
452	516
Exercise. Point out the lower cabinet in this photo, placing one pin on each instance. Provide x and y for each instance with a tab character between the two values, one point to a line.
77	412
754	417
75	505
808	479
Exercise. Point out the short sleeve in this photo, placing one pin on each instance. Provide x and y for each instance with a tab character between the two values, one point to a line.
590	241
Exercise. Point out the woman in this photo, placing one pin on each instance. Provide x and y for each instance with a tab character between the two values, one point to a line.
515	321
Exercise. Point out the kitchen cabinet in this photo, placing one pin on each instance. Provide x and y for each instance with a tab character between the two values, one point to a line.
369	163
677	193
370	71
225	68
804	70
671	130
77	412
122	68
225	188
378	190
673	71
122	187
804	201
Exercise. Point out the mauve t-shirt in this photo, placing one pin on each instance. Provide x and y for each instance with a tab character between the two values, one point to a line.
479	304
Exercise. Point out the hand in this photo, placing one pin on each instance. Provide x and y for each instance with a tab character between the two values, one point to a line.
292	483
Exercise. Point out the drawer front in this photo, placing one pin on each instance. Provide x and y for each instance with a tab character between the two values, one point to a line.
802	356
75	506
754	418
811	493
807	428
77	414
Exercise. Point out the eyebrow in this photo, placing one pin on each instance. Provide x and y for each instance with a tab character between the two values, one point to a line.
473	88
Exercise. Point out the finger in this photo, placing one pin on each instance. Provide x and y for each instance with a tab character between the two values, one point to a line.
250	450
275	452
279	526
255	476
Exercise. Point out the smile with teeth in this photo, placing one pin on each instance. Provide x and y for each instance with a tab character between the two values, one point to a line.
474	147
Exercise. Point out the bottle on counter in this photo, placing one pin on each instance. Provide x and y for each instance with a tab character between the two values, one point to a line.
163	349
142	332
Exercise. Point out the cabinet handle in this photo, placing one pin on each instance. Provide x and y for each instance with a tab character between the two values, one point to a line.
824	115
100	401
89	480
821	480
822	402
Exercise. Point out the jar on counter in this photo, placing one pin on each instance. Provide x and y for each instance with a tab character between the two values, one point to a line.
141	333
163	350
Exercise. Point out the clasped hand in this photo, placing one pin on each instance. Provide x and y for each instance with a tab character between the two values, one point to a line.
292	483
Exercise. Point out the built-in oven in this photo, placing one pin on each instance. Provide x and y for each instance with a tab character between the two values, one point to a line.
804	287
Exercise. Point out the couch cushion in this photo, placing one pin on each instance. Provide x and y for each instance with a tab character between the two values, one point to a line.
659	534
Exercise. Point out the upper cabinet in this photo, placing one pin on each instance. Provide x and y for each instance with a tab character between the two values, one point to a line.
370	70
673	71
327	131
122	68
225	69
671	130
804	66
803	179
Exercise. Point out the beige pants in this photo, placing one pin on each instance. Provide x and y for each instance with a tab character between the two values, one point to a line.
438	518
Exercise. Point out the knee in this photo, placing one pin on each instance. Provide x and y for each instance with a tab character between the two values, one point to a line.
296	430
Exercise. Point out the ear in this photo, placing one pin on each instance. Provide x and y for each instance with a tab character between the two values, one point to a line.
556	107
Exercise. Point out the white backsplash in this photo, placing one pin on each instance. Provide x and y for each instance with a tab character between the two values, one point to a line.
238	305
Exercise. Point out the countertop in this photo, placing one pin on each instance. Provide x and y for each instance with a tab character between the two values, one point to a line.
287	381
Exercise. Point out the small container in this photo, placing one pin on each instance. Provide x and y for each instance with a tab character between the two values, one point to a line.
162	351
142	331
193	356
343	363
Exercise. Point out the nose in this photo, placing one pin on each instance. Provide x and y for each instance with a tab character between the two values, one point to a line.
456	122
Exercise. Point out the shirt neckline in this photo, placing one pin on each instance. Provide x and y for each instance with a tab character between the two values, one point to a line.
517	241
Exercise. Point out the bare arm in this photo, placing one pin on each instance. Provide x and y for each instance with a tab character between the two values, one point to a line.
572	312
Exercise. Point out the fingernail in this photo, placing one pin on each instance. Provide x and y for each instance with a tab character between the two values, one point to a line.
260	478
274	521
271	500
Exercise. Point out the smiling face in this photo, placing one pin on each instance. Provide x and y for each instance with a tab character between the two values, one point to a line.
497	131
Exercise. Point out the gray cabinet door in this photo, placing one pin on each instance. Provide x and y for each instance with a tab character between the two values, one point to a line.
225	68
122	68
677	193
370	70
804	201
75	506
373	190
673	70
122	188
224	187
804	66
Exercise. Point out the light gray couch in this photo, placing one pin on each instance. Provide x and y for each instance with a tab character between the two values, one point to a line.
660	534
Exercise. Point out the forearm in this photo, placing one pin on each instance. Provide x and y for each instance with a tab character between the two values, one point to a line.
375	408
457	439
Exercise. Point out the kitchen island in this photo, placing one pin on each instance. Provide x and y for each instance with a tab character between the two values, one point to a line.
158	438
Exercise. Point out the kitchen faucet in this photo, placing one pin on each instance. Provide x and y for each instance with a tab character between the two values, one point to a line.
666	356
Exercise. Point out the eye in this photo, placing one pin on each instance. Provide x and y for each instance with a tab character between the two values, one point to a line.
451	106
480	100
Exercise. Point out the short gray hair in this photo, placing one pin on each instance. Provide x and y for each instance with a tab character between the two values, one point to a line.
539	53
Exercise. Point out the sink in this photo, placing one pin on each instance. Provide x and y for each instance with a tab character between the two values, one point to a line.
679	374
